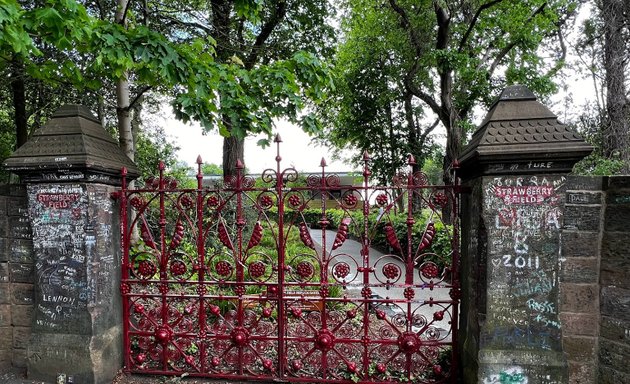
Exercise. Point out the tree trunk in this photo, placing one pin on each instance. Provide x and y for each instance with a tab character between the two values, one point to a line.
616	133
125	133
19	103
233	150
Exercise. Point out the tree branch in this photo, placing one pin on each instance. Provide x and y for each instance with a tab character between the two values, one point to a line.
406	24
138	96
410	85
473	22
199	26
123	16
265	32
428	130
509	47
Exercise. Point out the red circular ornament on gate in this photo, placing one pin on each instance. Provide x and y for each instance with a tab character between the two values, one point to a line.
325	340
164	334
409	342
239	336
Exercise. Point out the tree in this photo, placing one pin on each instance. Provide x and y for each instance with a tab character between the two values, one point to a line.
274	50
603	50
616	25
454	56
126	50
370	109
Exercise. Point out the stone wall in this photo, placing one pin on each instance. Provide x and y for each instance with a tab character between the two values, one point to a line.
16	277
614	294
595	280
579	276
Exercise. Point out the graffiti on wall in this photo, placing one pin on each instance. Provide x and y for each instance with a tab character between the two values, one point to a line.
524	216
70	232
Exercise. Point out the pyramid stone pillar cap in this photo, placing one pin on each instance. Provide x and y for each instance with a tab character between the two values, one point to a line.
520	135
71	146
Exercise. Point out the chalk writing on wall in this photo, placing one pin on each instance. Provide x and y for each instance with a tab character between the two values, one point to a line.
512	375
74	258
524	219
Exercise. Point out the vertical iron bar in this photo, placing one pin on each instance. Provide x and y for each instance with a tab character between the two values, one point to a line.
282	326
365	251
163	261
409	259
201	250
238	254
324	222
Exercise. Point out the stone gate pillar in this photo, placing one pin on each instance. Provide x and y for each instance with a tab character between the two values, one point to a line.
70	167
515	167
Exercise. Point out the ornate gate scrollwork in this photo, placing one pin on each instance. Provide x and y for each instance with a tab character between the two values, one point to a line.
277	278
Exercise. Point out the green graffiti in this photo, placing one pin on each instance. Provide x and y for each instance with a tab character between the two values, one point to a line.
506	378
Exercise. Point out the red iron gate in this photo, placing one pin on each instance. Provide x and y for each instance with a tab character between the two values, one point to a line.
242	281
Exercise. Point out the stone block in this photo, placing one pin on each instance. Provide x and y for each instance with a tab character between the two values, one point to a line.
616	198
4	250
5	293
615	329
579	324
21	251
608	375
616	218
17	207
5	361
579	270
582	218
6	337
5	315
3	205
580	244
618	182
614	355
496	366
615	272
585	198
90	359
615	246
22	315
21	337
20	228
582	373
615	302
580	298
4	226
5	276
18	190
585	183
19	358
22	293
22	273
580	348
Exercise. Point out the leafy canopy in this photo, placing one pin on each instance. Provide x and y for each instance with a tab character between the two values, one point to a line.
94	49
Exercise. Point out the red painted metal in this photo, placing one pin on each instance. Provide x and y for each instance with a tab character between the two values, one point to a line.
204	295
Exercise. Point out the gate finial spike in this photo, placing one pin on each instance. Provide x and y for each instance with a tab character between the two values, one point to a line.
199	161
161	166
411	160
322	163
277	139
239	164
366	155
